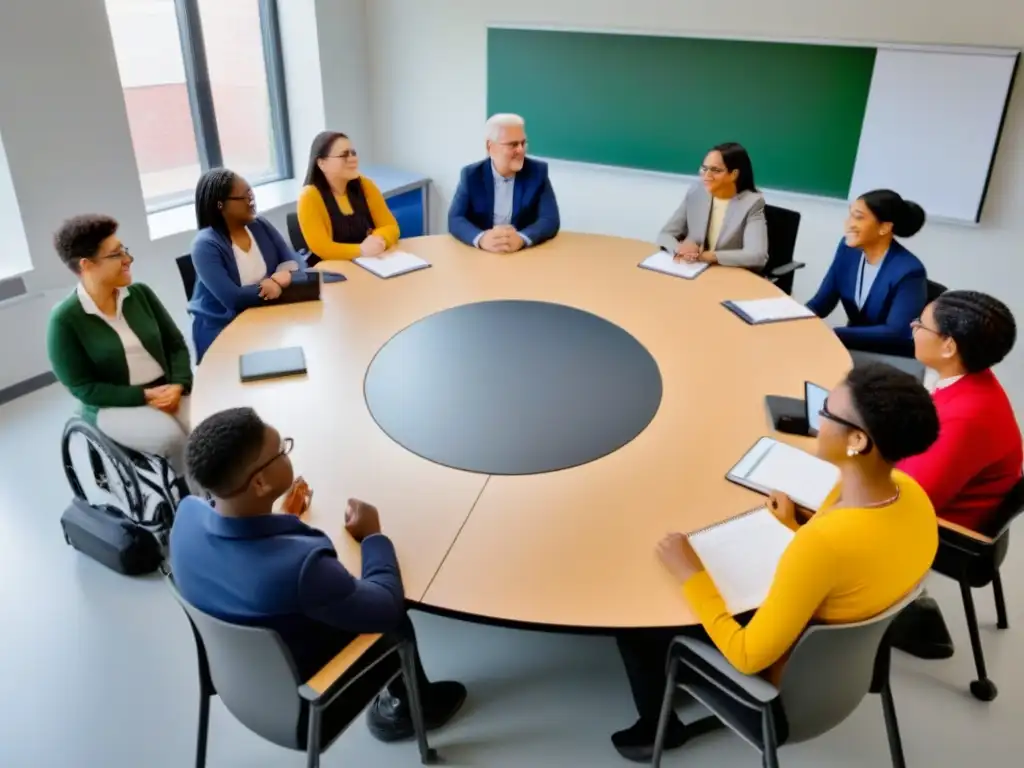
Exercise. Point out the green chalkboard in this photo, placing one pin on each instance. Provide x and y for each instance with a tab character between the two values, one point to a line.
659	103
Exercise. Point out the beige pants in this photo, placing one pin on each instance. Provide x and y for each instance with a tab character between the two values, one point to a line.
149	430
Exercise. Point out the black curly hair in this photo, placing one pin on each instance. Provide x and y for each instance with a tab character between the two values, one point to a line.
982	327
80	236
222	447
896	410
213	188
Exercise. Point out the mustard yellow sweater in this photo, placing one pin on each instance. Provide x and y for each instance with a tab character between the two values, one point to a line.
844	565
315	222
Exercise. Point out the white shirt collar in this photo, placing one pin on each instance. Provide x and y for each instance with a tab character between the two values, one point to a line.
947	382
90	306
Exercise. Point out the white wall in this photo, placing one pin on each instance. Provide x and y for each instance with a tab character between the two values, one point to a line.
428	84
65	131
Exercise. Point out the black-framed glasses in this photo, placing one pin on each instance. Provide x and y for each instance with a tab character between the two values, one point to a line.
345	155
825	413
286	447
248	197
120	255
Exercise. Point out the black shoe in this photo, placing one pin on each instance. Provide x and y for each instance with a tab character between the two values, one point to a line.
636	743
389	719
921	631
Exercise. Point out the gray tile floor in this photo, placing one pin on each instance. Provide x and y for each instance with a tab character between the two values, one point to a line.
99	669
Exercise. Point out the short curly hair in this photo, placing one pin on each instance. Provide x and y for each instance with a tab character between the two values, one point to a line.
982	327
222	447
80	236
896	410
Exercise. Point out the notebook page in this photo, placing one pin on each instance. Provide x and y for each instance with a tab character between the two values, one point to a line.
806	479
662	261
779	308
392	263
741	555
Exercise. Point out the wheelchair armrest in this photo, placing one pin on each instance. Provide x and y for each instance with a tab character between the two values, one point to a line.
706	660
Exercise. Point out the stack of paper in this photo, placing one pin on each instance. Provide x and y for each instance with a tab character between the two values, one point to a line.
663	261
741	555
774	466
392	264
758	311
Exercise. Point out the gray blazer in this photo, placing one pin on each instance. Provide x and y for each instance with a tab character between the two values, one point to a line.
743	241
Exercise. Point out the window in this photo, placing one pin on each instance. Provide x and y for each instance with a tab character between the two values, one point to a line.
204	87
14	256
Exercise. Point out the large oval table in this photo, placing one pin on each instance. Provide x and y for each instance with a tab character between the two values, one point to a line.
572	549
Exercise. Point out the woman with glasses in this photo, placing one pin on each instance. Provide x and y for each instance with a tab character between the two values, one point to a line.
721	220
881	285
870	544
115	347
342	214
241	260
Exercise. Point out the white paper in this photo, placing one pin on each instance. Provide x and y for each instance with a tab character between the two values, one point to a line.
741	556
806	479
662	261
781	308
392	263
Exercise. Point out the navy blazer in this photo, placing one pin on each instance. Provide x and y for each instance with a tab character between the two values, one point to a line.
275	571
534	207
219	296
897	297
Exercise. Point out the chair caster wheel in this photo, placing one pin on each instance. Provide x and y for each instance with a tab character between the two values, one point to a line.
984	690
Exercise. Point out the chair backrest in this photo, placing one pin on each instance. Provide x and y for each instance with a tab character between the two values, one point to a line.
188	274
252	672
1013	505
783	226
295	232
830	670
935	290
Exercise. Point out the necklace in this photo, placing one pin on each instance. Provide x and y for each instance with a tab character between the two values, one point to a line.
886	502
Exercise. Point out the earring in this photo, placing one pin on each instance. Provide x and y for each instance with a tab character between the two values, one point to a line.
851	452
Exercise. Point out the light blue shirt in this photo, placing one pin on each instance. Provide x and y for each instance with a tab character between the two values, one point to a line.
865	279
504	196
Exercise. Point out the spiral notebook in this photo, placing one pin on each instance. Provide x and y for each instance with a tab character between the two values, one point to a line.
392	264
761	311
664	262
741	555
773	466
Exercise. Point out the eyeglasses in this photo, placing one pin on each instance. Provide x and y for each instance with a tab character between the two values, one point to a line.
916	324
120	255
248	197
513	145
711	170
345	155
286	447
825	413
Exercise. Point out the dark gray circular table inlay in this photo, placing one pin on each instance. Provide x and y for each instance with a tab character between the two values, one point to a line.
512	387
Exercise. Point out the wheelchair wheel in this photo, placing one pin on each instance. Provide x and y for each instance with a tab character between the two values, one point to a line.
99	472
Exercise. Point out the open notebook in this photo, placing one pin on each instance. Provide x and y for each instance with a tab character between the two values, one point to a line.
392	264
761	311
662	261
774	466
741	555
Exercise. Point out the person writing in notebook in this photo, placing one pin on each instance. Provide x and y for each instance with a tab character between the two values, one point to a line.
241	562
342	214
870	544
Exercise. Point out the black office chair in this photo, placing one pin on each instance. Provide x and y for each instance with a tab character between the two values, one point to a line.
188	274
295	233
974	562
783	225
935	290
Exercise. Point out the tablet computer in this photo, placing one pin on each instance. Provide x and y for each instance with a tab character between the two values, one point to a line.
814	400
272	364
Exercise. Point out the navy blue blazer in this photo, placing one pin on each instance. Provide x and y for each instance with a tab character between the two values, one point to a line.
897	297
534	207
219	296
275	571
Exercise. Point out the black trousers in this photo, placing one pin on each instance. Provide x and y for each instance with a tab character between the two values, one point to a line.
645	654
364	689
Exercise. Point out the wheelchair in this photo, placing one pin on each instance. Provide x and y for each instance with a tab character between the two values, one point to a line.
143	486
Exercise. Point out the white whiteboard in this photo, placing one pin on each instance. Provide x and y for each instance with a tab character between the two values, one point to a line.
931	126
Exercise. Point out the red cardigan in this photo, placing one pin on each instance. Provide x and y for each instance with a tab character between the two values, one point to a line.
977	458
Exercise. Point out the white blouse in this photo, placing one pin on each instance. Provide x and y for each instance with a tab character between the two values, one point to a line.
252	267
142	366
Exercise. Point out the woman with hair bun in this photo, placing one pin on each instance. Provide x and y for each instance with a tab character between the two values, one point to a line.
882	285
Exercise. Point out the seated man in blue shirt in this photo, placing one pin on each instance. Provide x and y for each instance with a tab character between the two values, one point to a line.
244	564
506	202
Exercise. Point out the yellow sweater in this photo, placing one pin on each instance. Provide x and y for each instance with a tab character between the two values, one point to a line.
315	222
844	565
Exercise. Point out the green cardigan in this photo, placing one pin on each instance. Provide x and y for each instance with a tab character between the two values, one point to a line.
88	357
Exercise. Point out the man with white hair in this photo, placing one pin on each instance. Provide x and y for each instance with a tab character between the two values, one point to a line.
506	202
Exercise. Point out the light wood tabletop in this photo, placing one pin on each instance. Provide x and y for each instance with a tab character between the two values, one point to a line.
571	549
